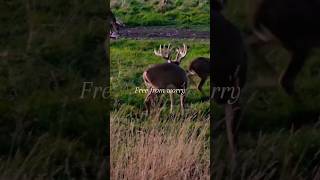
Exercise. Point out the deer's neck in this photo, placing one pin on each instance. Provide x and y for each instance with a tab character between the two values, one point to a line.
174	62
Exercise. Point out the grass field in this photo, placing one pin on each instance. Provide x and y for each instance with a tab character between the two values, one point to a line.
177	13
129	58
163	145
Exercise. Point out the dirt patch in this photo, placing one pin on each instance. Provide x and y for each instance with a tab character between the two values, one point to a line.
162	32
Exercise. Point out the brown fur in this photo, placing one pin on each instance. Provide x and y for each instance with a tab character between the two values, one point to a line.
201	67
296	25
168	75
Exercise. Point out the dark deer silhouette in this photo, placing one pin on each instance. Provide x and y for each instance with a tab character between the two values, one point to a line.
293	23
228	70
200	67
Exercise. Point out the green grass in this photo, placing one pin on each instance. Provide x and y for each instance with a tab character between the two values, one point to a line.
185	14
129	58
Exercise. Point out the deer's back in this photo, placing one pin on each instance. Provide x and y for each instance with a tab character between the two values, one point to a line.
201	66
166	75
294	22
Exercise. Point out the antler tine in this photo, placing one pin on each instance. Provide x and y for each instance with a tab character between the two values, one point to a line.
159	52
181	52
168	49
155	52
177	55
164	51
184	50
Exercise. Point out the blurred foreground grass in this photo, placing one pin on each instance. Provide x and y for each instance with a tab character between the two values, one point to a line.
47	50
279	136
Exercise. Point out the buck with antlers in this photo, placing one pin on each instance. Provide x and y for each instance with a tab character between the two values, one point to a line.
228	71
168	75
293	23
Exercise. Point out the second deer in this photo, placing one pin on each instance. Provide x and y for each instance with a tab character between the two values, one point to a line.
200	67
293	23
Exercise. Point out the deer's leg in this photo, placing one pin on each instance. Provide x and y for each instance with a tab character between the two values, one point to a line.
171	102
236	123
297	61
203	80
182	101
114	30
148	101
114	27
267	74
230	125
190	75
258	41
159	102
232	118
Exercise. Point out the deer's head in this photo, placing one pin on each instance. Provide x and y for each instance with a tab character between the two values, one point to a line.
166	53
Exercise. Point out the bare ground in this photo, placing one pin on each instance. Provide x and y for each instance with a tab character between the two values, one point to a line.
162	32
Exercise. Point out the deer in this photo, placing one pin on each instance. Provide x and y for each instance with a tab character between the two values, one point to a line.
200	67
227	71
295	26
114	25
168	75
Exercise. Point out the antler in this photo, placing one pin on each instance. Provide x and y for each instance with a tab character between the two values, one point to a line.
181	52
164	51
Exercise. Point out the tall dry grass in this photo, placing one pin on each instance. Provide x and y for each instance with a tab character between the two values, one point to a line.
173	148
54	158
